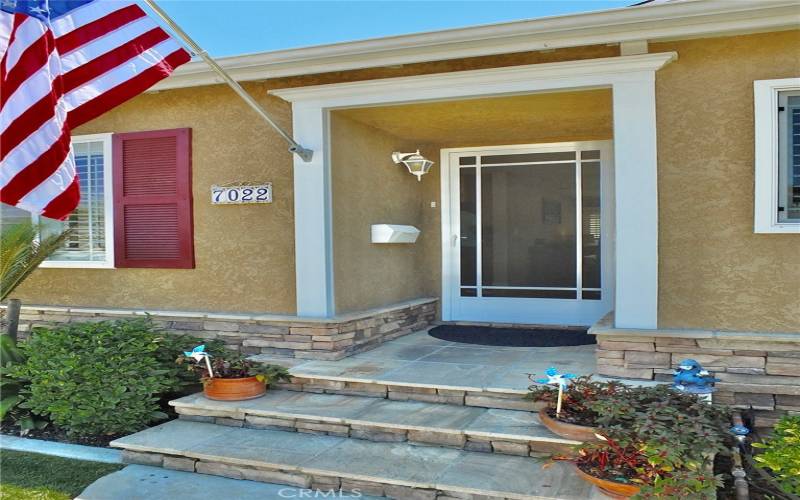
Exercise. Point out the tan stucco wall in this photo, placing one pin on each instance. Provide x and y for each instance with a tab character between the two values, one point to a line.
369	189
244	253
714	272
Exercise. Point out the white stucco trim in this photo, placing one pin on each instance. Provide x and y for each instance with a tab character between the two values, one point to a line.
632	80
653	22
601	72
765	110
636	202
313	214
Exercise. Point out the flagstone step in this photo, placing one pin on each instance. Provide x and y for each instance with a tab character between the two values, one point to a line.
510	432
395	470
508	399
357	377
375	374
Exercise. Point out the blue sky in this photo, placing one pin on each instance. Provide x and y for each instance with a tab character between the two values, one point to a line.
238	27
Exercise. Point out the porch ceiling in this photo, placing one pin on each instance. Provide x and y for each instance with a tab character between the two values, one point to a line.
547	117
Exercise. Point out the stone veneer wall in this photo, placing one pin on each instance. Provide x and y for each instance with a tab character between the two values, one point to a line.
306	338
758	371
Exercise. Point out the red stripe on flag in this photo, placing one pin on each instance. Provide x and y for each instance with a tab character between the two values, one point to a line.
33	59
37	171
97	28
112	59
18	19
63	204
28	122
126	90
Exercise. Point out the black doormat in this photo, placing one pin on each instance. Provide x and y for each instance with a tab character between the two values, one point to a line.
513	337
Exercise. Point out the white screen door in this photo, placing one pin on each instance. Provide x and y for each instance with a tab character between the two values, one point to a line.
529	233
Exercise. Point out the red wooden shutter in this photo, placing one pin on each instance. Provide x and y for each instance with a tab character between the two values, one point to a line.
153	199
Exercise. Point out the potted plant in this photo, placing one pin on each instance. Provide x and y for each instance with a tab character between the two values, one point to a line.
229	376
655	442
617	468
576	418
627	466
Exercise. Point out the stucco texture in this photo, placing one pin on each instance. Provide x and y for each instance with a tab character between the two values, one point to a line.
244	253
369	189
714	272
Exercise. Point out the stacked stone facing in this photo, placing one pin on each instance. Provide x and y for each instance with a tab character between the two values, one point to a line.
758	371
287	336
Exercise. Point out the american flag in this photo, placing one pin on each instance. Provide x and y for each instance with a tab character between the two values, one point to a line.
62	63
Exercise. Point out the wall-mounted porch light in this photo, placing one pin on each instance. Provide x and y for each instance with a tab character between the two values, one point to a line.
415	163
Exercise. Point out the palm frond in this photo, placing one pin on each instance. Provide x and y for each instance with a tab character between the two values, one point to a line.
21	252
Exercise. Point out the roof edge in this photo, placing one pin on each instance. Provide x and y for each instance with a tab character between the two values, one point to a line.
671	20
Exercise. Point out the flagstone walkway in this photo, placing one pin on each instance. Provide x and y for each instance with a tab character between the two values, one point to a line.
420	359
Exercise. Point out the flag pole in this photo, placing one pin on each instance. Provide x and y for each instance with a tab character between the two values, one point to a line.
294	147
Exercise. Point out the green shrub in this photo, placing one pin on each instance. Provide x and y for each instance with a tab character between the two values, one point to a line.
100	378
13	389
781	454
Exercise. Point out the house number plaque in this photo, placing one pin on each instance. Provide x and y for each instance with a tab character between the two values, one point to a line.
239	195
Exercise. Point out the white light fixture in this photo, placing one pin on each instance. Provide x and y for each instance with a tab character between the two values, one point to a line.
415	163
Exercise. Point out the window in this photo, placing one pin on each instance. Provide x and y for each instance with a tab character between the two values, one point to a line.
777	156
90	242
138	214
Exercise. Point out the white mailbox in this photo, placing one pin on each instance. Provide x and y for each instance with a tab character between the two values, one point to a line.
394	233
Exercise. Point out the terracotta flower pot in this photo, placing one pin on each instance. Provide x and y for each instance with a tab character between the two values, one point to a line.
233	389
619	491
582	433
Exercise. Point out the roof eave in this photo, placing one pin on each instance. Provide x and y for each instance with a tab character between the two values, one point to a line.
686	19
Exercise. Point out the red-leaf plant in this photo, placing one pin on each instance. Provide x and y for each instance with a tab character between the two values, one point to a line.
577	399
620	461
654	467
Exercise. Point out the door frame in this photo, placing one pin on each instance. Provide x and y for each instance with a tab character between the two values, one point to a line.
451	233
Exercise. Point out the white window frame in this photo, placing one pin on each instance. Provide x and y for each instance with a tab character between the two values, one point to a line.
108	205
767	154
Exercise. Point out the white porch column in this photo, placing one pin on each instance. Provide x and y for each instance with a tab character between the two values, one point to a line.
313	242
636	192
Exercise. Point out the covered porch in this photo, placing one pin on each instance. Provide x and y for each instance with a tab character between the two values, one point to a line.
571	146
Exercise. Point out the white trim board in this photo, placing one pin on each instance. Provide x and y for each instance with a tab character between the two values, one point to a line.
765	109
583	74
632	80
665	21
108	208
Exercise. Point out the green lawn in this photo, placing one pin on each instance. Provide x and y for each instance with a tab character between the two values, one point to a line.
31	476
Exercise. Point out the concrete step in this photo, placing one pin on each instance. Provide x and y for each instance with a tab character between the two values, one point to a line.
395	470
512	432
140	482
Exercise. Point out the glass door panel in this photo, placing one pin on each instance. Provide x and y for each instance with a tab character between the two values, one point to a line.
591	230
528	227
468	233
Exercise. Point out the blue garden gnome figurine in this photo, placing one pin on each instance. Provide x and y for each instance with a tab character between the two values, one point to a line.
691	377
